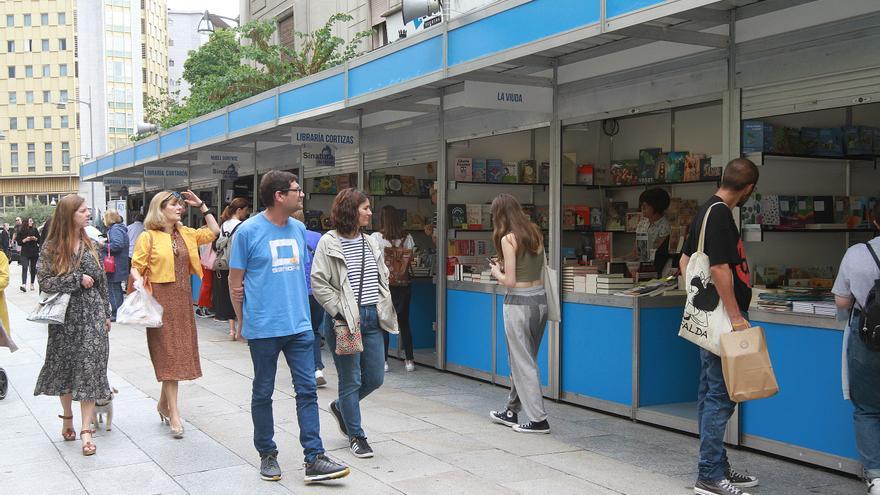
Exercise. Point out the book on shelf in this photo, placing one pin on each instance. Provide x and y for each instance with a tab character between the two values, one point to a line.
478	170
542	216
569	168
648	159
750	212
692	166
841	210
393	186
324	185
675	166
486	216
602	245
710	168
463	169
528	171
494	170
596	219
474	215
457	215
624	172
409	185
511	172
616	220
569	217
633	218
344	181
806	213
823	210
425	186
585	174
544	173
660	169
769	209
377	183
788	214
582	217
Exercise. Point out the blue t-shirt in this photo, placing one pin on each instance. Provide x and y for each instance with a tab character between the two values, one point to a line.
273	259
312	239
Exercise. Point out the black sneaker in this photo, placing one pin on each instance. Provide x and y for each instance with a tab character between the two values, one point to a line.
323	468
533	427
721	487
337	415
740	480
360	448
269	468
505	417
201	312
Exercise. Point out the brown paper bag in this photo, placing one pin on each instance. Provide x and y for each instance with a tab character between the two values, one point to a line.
745	361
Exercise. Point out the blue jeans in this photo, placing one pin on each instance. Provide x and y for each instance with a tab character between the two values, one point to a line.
864	391
297	350
714	409
116	296
359	374
316	312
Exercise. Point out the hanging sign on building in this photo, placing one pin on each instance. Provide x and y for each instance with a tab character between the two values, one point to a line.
225	165
479	94
318	156
305	136
123	181
165	172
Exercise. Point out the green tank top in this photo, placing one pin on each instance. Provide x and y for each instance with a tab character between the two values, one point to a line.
528	266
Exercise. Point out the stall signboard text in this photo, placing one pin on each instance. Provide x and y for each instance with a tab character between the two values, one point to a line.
479	94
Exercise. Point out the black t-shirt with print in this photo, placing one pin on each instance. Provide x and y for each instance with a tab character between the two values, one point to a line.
723	245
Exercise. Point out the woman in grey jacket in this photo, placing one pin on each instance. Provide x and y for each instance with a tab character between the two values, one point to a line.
350	281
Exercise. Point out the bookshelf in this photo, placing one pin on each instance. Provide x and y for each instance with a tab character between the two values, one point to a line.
759	158
775	229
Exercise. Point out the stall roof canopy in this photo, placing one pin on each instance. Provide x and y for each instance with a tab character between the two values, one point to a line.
511	41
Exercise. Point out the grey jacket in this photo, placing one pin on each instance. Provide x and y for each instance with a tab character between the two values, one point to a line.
333	291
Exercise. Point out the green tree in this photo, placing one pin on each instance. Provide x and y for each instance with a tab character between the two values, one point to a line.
224	71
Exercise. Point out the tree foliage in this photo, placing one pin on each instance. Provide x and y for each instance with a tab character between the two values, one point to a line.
224	71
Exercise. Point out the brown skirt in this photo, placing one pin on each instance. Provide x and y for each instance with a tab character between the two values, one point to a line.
174	348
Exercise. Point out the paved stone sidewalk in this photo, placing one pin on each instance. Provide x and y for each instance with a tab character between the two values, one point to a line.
430	432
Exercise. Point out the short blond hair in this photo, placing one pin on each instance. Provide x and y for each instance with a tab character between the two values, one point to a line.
155	219
111	216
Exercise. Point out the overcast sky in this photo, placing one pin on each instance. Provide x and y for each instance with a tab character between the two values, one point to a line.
226	8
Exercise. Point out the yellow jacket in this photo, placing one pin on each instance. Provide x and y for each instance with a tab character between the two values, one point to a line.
154	258
4	282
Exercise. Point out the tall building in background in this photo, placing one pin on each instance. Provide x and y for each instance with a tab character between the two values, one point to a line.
39	151
154	47
183	37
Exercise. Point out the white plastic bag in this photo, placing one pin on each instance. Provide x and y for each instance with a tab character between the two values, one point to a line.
140	309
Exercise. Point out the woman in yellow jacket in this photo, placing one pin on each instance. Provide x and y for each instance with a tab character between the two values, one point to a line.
4	315
166	255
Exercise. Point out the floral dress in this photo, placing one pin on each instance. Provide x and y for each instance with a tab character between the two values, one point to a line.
77	351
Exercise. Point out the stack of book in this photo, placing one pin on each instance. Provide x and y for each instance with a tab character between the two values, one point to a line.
821	308
612	283
574	278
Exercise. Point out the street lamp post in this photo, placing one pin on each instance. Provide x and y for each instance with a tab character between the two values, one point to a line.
61	105
209	20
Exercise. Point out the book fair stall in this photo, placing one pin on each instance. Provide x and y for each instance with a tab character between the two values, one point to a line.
581	122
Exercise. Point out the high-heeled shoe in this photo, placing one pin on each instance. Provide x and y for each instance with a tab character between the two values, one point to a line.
68	434
88	448
163	418
176	432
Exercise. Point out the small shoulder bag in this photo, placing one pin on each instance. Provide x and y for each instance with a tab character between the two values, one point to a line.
348	340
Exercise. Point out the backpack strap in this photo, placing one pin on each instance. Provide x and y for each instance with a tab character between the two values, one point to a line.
873	254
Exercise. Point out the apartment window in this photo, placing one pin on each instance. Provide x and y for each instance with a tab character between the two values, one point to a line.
10	46
65	156
11	71
47	122
47	72
170	63
44	19
28	45
10	20
30	122
28	96
62	96
62	70
62	18
170	42
28	71
31	156
13	156
143	74
44	45
62	44
27	19
47	155
47	96
65	122
13	97
13	123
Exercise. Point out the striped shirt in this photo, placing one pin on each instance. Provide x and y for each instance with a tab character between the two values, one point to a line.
353	249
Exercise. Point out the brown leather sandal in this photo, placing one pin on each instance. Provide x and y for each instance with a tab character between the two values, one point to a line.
68	434
88	448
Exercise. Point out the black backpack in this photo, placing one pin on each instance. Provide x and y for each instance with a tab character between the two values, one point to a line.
869	322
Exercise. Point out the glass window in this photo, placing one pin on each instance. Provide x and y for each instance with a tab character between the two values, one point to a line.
19	200
10	20
47	122
62	18
62	70
46	70
30	122
28	96
9	200
27	19
11	71
10	46
13	156
62	44
65	121
44	45
28	71
47	96
13	123
62	96
28	45
31	154
44	19
65	155
13	97
47	151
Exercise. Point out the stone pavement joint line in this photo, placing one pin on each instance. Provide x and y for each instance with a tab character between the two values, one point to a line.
430	431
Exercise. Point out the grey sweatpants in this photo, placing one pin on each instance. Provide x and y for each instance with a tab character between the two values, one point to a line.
525	315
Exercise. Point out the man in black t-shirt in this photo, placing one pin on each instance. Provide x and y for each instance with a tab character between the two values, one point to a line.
730	276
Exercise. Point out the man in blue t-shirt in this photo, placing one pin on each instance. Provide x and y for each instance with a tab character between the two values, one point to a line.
268	257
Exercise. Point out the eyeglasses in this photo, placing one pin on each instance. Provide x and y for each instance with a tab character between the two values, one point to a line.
293	189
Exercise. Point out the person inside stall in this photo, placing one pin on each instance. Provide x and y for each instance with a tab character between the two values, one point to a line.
652	233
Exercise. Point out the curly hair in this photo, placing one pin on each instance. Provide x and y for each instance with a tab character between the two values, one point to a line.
344	212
